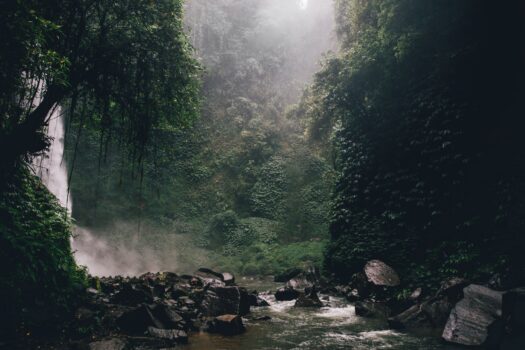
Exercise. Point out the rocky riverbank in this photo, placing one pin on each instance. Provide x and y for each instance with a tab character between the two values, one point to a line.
162	310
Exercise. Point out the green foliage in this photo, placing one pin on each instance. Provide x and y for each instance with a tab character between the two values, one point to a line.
126	65
264	259
40	280
413	103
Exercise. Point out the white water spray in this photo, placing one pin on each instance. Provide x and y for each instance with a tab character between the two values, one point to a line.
51	167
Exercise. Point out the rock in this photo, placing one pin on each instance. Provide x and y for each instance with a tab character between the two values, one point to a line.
137	321
380	274
372	309
431	314
210	277
228	278
226	325
287	275
257	301
353	296
309	299
262	318
286	293
108	344
416	295
225	300
132	295
174	335
306	279
513	308
166	316
452	289
476	319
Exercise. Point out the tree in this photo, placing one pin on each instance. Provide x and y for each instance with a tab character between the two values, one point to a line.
427	95
129	60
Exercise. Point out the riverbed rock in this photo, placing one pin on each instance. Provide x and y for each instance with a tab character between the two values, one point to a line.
513	308
228	278
431	314
380	274
452	289
256	301
108	344
174	335
220	300
133	294
226	325
309	299
136	321
372	309
476	319
286	294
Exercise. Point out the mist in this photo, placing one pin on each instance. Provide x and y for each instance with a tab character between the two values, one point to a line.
276	43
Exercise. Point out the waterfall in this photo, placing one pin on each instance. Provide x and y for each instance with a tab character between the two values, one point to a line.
51	167
101	257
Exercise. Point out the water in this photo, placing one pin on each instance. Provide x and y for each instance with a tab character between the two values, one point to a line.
333	327
51	168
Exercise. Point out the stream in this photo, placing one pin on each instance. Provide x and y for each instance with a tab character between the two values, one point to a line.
335	326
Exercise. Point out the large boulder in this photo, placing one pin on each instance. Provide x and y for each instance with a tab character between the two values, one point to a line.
476	319
136	321
226	325
380	274
220	300
286	294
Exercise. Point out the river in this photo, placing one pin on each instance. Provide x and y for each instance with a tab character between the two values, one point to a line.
335	326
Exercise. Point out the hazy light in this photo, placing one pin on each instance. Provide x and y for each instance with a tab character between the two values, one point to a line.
303	4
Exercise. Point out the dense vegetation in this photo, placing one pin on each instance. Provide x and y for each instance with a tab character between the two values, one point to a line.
124	67
242	182
426	98
40	279
405	147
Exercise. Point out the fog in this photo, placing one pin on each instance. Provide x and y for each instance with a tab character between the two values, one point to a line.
284	43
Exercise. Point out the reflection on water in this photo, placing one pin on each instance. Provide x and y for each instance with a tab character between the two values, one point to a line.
335	326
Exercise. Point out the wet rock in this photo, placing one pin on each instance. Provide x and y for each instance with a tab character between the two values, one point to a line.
226	325
228	278
262	318
452	289
513	307
372	309
287	275
431	314
353	296
108	344
309	299
137	321
220	300
174	335
166	316
257	301
380	274
286	293
133	294
209	277
306	279
476	319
